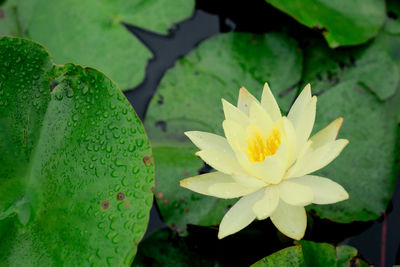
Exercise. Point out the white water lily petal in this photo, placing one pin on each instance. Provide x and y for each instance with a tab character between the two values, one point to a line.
245	100
258	116
316	159
247	180
328	134
289	138
230	190
245	163
290	220
299	161
299	105
264	207
204	140
240	215
216	184
234	114
268	102
325	190
220	161
273	168
296	194
201	183
305	123
235	134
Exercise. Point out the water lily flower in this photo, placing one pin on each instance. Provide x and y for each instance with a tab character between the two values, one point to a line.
266	158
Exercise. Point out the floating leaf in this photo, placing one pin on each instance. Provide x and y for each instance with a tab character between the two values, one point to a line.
75	170
189	98
91	32
341	22
308	253
353	83
367	65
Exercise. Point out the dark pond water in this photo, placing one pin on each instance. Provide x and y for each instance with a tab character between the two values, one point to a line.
378	242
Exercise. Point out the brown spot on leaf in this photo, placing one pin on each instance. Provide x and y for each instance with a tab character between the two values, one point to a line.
165	200
185	173
127	203
146	159
135	243
159	195
1	13
186	210
120	196
105	204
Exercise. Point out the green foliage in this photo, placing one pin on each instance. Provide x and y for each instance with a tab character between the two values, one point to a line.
189	98
91	32
341	22
76	168
358	84
308	254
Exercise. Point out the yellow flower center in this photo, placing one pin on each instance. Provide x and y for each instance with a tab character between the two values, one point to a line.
258	148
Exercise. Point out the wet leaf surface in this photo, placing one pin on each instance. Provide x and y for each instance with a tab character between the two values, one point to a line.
74	185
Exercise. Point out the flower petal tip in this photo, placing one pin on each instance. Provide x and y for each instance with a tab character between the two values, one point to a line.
183	183
188	133
220	235
243	90
345	195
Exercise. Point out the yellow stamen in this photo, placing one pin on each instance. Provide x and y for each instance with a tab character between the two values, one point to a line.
258	149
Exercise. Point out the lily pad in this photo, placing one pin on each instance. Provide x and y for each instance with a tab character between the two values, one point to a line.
341	22
189	98
359	86
367	65
307	253
76	168
91	32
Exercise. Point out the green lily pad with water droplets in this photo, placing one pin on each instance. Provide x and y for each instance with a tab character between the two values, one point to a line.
91	32
76	168
189	98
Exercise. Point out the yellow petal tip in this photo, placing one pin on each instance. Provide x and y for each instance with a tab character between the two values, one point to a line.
242	88
183	183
